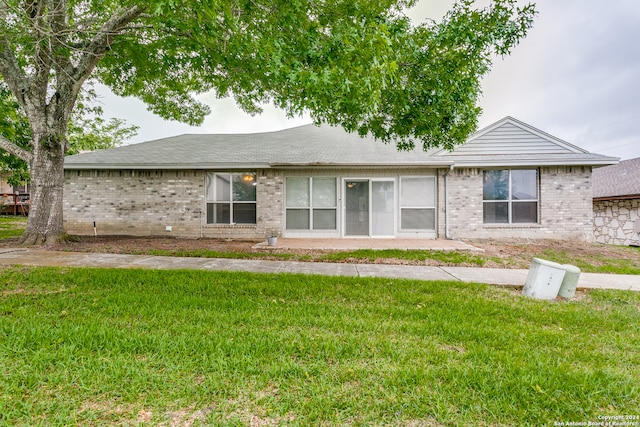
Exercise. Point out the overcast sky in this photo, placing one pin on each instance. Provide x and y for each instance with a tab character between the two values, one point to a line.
575	76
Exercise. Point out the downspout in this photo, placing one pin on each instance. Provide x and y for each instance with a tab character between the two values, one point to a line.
447	234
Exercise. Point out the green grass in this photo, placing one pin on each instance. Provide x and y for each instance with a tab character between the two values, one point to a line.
207	253
370	255
629	264
361	255
12	226
144	347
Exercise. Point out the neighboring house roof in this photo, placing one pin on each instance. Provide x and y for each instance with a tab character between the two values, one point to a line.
510	142
621	181
505	143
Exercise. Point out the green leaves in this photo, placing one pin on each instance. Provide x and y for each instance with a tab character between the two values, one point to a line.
359	64
87	131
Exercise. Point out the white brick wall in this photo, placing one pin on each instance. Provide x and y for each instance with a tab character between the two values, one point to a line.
144	203
565	206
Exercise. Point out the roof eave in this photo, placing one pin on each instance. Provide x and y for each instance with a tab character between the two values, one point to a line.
164	166
531	163
607	198
290	165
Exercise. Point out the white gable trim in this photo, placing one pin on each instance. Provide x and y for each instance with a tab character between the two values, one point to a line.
570	148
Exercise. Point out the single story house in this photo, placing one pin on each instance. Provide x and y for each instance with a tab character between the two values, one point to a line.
508	180
616	203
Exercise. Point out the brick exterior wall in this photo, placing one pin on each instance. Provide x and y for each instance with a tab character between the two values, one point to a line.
565	206
614	221
146	202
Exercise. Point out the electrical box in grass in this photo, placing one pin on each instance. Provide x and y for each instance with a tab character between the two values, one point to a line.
544	279
570	281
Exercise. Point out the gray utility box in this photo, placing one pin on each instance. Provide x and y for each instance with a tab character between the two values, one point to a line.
548	279
544	279
570	281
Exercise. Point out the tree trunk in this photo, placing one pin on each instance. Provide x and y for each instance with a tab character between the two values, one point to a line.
47	180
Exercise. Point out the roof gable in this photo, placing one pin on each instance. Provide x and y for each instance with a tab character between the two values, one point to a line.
512	143
510	136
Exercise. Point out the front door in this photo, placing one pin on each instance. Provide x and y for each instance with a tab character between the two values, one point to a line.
356	204
369	207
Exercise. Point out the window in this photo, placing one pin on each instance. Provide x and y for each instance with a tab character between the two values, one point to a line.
311	203
510	196
231	198
417	203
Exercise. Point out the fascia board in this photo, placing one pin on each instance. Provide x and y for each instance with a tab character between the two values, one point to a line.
165	166
603	162
444	163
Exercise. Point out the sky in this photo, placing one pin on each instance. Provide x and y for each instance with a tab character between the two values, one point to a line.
575	76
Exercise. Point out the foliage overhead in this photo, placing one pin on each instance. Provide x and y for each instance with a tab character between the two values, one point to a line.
87	131
360	64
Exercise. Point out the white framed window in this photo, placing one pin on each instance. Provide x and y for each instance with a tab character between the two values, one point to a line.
510	196
231	197
311	203
417	203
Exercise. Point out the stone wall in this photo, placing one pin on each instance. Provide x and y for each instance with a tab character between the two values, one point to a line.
159	202
614	221
564	206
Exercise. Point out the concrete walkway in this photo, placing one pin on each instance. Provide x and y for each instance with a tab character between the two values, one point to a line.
493	276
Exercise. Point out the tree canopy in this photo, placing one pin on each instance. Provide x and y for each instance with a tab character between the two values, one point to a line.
359	64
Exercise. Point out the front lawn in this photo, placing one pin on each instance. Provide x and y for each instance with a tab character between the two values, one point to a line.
144	347
12	226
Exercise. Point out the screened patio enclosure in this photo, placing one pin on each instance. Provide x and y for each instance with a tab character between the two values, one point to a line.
360	206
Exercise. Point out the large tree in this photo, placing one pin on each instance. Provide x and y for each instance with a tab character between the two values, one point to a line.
87	131
360	64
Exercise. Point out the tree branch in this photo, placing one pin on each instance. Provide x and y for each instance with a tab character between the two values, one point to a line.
12	148
11	72
58	27
102	40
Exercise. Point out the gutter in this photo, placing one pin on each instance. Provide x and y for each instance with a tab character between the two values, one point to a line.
608	198
165	166
447	234
332	165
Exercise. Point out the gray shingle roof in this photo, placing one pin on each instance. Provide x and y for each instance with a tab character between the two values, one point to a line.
505	143
304	145
621	180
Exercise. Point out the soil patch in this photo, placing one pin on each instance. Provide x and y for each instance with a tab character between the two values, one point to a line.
497	253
